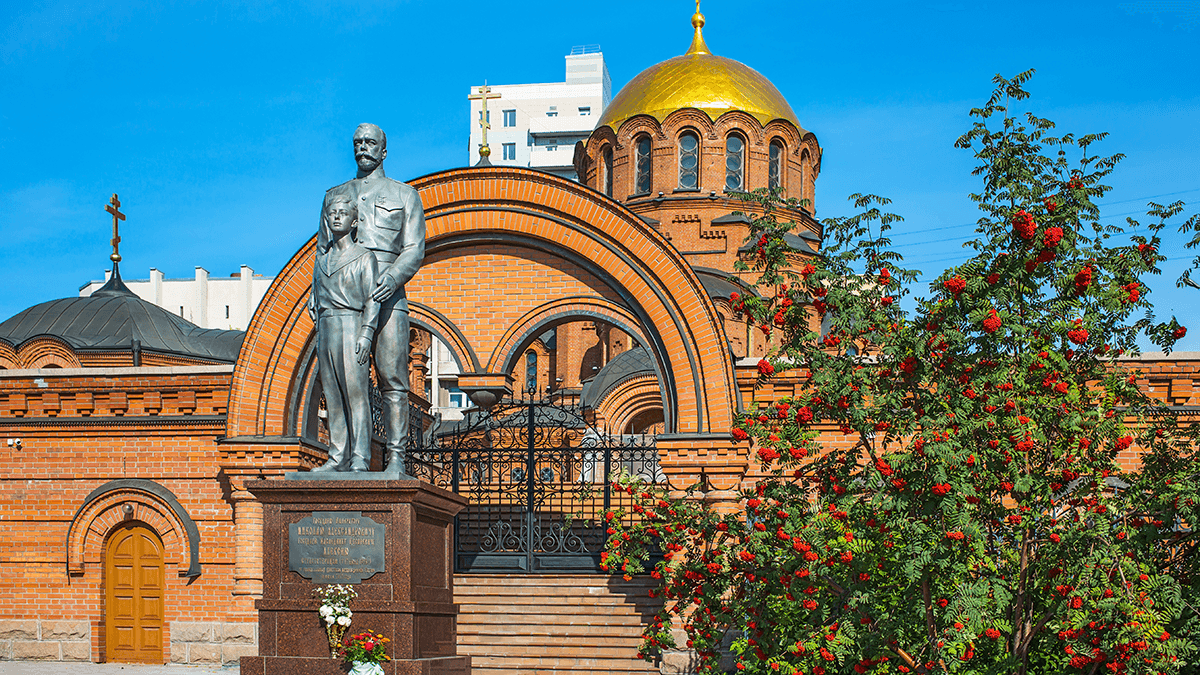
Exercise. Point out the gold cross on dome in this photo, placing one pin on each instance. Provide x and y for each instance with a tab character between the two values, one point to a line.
485	93
114	207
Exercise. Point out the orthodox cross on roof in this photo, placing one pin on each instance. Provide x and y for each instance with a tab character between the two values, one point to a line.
485	93
114	207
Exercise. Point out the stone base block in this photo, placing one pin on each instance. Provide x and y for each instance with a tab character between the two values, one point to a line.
22	629
290	665
66	630
30	650
76	651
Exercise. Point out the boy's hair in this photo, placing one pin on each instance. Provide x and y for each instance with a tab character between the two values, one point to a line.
343	198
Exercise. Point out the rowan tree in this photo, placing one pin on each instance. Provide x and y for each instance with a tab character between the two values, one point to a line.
956	489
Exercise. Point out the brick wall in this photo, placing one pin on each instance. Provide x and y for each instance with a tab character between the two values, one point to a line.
80	429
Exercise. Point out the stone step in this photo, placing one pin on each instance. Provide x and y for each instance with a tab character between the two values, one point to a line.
552	624
500	620
595	636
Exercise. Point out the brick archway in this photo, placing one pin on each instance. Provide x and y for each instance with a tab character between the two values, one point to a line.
500	242
526	329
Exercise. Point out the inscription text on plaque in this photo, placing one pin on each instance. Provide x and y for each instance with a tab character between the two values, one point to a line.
336	547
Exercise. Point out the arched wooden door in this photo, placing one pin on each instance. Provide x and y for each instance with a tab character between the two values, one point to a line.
133	596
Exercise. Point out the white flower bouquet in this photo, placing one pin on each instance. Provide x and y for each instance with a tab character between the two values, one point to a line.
335	613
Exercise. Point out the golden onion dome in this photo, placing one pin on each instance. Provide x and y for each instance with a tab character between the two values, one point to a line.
698	79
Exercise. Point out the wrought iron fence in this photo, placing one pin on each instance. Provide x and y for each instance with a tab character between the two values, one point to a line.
536	477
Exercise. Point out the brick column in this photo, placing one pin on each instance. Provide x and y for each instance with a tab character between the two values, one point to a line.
723	464
247	520
257	458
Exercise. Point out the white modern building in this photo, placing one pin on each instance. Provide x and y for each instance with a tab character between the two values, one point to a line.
209	302
537	125
441	383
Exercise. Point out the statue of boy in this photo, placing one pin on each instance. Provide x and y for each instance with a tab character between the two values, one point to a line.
346	315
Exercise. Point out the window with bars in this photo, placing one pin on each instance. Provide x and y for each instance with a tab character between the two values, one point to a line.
689	162
775	165
735	163
641	184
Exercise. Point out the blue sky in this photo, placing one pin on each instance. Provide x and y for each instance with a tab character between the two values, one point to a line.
220	124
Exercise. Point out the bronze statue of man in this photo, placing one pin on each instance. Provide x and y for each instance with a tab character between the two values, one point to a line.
391	225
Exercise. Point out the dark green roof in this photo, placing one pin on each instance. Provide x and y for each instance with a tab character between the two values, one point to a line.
626	366
112	318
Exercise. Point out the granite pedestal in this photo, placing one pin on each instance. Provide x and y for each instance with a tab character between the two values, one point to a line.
411	601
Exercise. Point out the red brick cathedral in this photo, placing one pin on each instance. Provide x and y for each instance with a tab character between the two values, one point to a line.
128	534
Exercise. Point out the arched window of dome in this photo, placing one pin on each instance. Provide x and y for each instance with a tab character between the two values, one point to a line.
689	161
531	370
804	176
775	164
608	177
641	184
735	163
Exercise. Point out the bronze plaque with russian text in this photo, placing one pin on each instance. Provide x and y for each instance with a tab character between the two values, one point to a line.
336	547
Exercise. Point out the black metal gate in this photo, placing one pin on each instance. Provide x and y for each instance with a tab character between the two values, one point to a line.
536	474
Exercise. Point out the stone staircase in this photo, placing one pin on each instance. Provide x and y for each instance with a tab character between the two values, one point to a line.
539	624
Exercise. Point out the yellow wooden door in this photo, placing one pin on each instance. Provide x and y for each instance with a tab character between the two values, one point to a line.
133	594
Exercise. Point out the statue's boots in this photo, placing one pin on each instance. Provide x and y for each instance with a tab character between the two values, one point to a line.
396	412
360	463
336	461
397	464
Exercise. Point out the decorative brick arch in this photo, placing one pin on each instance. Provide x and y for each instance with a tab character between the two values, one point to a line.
8	356
547	224
745	124
149	503
43	351
436	323
627	400
628	262
275	353
536	321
